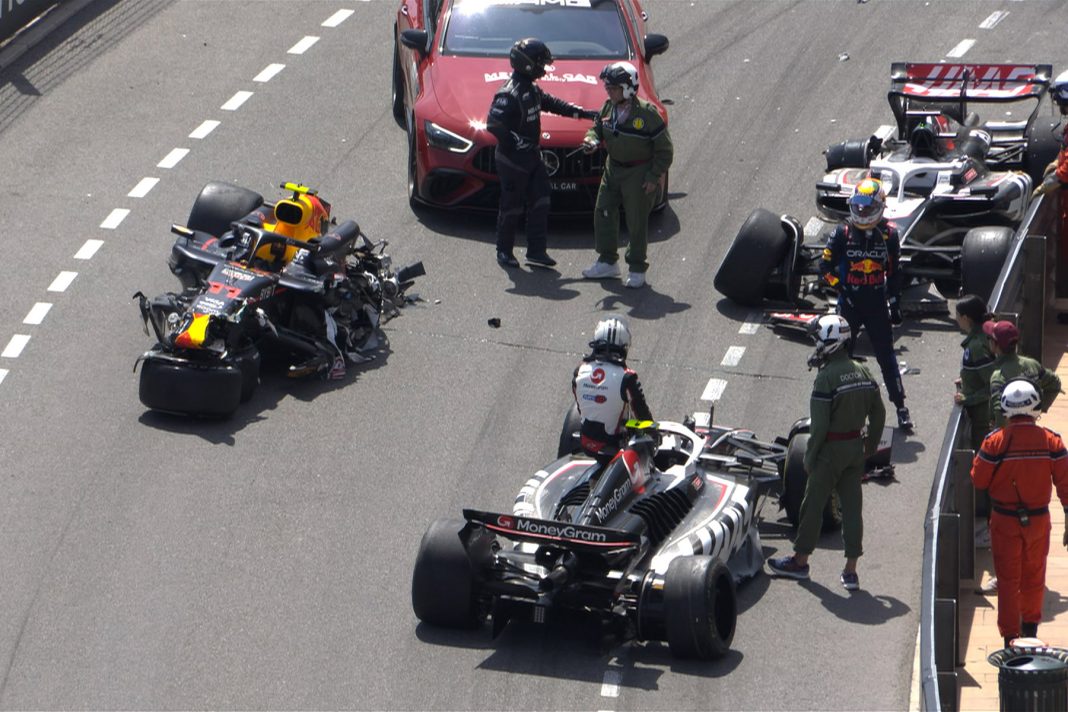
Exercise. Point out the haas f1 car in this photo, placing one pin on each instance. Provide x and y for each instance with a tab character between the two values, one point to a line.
263	279
652	544
956	186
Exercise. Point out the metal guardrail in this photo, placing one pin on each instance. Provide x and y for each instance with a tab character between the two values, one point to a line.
948	546
16	14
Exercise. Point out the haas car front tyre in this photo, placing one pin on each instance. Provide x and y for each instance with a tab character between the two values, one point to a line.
570	442
443	584
700	607
794	481
759	247
212	390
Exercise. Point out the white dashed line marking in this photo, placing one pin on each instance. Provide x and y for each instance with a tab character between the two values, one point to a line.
236	101
268	72
62	281
961	49
142	188
37	314
115	218
173	158
714	390
304	45
15	346
204	129
994	19
813	227
3	374
337	18
752	323
733	356
610	686
88	249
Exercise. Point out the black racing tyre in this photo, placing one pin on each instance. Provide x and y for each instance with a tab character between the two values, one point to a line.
794	481
443	583
982	256
209	390
570	442
398	84
248	362
700	607
758	248
1043	145
220	204
849	154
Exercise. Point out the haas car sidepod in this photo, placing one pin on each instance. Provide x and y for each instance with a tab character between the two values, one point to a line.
956	197
652	545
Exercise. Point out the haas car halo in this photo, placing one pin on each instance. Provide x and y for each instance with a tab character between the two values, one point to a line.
957	185
263	279
652	545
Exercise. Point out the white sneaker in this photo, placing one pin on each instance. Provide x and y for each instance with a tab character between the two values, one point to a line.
635	280
601	270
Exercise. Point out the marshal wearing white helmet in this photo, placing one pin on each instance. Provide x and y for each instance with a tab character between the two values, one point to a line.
845	400
1019	465
606	392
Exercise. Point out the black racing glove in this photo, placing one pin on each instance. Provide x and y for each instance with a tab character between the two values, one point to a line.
895	312
591	115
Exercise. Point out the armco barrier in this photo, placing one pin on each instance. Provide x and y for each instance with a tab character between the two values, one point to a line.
16	14
948	546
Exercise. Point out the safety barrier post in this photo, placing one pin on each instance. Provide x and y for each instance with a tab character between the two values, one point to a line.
1033	296
965	506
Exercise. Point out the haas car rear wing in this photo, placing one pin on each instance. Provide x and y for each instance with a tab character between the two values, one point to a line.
918	89
545	531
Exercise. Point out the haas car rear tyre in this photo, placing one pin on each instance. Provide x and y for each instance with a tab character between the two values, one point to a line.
982	255
569	438
443	584
758	248
212	390
220	204
794	480
1043	145
700	607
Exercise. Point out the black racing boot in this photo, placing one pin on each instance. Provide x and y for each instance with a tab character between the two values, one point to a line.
904	420
506	259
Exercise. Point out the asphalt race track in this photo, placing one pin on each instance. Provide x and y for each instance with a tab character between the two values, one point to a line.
264	562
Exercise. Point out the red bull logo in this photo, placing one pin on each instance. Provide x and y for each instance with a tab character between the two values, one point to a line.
865	266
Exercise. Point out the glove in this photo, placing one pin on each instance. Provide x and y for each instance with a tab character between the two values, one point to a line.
590	146
1049	184
895	312
843	299
1050	168
590	115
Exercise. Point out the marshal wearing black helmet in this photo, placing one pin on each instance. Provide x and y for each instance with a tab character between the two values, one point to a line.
515	121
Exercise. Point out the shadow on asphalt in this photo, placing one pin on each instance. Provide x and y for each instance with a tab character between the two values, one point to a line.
857	606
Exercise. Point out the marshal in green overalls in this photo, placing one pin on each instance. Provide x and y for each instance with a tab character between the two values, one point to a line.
845	397
639	151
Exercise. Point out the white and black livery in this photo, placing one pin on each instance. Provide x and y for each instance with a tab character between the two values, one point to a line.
956	186
653	545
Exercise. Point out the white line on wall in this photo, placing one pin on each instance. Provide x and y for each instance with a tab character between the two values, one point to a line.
114	218
204	129
15	346
304	45
62	281
88	249
142	188
38	313
173	158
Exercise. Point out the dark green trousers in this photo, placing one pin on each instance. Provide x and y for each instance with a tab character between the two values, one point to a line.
839	468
